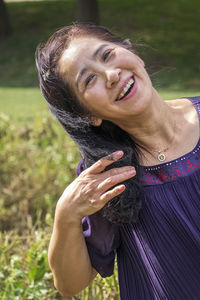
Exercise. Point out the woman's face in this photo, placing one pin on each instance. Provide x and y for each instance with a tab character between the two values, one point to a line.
108	79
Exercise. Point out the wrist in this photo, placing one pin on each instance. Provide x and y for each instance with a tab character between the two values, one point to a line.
65	218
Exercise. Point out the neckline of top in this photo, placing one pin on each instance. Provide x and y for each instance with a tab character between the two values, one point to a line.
196	103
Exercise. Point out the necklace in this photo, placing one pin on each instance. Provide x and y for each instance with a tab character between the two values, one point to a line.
161	153
161	156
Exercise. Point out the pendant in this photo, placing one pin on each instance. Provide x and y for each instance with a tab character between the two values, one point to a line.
161	157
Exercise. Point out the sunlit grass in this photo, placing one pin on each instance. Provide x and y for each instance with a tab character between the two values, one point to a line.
22	103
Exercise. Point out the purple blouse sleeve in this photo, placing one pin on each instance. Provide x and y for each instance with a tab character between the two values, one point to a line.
79	168
102	239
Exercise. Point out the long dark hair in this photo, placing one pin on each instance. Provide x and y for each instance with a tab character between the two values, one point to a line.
93	142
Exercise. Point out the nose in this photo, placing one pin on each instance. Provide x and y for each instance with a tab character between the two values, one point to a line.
112	77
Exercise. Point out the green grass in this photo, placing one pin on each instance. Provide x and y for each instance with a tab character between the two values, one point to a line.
22	103
25	274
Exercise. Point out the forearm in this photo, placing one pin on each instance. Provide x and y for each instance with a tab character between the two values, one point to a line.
87	194
69	259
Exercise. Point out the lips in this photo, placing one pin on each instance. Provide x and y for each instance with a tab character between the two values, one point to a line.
126	88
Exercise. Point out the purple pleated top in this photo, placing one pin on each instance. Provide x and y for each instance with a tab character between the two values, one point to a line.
158	257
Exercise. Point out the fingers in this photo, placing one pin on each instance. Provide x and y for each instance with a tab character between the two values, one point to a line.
98	187
102	163
112	193
115	176
111	181
107	189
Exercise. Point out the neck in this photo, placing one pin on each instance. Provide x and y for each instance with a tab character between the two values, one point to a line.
154	128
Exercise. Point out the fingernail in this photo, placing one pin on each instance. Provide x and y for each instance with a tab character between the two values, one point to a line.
118	153
131	171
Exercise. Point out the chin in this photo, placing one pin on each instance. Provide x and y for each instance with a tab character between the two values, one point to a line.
142	100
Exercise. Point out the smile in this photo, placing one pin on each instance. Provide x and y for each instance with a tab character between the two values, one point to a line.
128	90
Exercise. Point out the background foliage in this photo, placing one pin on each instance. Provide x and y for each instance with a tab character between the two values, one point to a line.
37	158
168	32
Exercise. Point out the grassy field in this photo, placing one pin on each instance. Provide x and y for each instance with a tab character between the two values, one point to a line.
22	104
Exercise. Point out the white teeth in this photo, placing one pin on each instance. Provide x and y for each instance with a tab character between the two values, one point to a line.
130	82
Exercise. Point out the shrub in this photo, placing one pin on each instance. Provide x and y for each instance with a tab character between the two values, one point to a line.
25	274
37	162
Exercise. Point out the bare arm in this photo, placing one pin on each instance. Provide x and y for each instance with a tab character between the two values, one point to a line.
68	255
69	259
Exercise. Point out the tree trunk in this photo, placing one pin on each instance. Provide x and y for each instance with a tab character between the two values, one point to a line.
87	11
5	27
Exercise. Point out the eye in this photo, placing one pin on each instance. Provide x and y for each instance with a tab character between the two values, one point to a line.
106	54
88	79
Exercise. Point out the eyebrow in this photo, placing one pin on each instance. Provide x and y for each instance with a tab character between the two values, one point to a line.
98	50
94	56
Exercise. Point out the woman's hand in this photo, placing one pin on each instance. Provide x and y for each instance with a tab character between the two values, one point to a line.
89	192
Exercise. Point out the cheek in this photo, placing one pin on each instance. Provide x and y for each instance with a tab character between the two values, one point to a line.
96	102
129	60
92	100
125	55
96	93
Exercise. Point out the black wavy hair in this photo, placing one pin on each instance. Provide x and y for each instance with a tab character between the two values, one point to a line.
93	142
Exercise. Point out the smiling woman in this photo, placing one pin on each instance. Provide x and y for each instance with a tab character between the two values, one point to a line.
95	74
61	60
137	193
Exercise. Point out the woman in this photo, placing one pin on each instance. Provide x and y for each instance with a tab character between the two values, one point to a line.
137	194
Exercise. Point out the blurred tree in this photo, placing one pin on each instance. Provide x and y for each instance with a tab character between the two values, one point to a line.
5	27
87	11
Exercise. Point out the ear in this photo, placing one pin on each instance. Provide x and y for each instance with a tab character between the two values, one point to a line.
96	121
127	42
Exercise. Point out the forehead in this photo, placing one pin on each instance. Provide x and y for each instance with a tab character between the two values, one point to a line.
80	50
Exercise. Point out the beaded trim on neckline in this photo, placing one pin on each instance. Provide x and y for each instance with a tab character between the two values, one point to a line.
171	171
196	103
180	167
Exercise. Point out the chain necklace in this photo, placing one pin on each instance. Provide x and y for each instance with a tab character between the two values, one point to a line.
161	153
161	156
